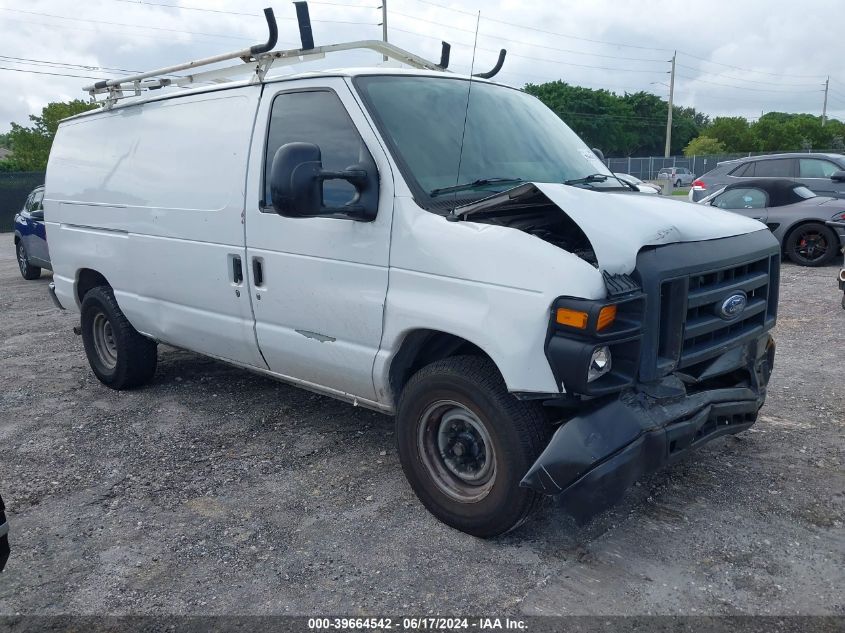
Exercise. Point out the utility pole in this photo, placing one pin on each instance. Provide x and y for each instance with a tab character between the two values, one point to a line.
383	8
824	107
669	116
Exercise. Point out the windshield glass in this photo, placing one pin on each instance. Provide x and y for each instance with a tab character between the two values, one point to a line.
509	135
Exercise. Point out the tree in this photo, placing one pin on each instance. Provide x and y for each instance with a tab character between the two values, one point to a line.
734	132
704	146
31	145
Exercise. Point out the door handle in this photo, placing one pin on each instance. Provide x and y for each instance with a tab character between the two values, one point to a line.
257	271
237	270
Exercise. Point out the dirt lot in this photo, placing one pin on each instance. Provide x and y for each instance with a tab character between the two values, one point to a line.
217	491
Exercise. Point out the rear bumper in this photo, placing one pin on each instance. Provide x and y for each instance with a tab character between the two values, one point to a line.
594	457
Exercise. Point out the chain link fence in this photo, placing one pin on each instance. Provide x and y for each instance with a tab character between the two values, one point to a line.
647	167
14	188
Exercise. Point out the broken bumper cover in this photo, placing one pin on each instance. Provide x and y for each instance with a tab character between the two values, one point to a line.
594	457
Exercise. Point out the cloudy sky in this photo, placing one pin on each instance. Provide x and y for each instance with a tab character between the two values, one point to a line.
733	57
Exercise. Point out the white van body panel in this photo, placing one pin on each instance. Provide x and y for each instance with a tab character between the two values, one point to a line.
322	302
490	285
151	197
618	225
162	195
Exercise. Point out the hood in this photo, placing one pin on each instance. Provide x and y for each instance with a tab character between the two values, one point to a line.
619	225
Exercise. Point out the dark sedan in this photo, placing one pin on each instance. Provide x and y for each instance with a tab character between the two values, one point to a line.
806	225
31	236
823	174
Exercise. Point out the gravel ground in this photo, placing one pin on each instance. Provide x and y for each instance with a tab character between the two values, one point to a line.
217	491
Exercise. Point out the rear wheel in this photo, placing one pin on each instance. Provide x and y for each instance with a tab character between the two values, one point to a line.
28	271
119	355
812	244
465	443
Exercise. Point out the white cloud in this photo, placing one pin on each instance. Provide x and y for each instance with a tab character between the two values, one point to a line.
781	50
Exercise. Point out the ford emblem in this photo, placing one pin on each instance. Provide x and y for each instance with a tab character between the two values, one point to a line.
733	306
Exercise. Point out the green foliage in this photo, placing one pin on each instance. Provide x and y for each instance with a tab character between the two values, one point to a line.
734	132
633	123
704	146
31	145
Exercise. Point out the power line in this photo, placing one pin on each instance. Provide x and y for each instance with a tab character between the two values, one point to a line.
761	72
765	83
243	13
715	83
556	33
41	72
27	60
620	44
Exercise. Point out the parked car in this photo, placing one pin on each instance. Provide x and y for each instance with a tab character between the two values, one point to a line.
31	237
533	328
797	217
821	173
644	187
4	536
678	176
838	224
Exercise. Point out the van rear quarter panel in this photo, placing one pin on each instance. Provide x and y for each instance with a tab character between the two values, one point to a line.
152	196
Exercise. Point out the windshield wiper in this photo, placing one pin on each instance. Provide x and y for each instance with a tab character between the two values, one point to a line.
586	180
469	186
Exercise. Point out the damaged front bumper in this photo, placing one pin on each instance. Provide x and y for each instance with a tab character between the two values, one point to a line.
594	457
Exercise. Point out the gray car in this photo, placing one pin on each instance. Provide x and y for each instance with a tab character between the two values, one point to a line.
793	213
818	172
678	176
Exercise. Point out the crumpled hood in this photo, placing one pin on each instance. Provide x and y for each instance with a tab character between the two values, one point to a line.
618	225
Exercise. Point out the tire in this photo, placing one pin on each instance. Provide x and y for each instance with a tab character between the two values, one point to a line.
28	271
812	244
448	399
119	356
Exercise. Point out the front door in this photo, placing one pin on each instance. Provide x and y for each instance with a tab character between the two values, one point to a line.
318	284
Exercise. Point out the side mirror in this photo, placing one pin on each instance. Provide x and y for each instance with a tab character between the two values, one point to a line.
296	185
838	176
37	215
598	153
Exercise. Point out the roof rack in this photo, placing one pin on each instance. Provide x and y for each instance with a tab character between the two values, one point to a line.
258	60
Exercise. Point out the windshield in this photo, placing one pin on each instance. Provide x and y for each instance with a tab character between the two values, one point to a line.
509	135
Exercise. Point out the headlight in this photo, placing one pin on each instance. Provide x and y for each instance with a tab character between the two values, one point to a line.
600	363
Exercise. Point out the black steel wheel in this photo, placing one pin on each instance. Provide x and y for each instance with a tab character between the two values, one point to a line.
119	355
465	443
28	271
812	244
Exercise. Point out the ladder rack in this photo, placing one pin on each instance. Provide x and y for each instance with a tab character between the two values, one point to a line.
258	59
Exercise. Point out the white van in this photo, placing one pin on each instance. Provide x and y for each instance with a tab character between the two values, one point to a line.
538	329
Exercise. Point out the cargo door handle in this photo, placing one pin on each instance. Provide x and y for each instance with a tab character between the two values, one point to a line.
237	269
257	271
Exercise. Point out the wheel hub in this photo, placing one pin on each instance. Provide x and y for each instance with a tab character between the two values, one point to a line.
456	448
104	341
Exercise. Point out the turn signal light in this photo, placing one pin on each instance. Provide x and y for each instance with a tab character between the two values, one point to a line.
606	317
572	318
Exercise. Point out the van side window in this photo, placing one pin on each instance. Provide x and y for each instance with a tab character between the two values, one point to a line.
744	171
319	117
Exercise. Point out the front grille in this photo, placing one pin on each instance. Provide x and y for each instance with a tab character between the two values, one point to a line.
692	329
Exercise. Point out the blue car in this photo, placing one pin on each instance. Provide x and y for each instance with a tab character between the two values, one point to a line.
31	237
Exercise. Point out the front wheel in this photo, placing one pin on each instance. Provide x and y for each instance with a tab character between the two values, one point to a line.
812	244
119	355
465	443
28	271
